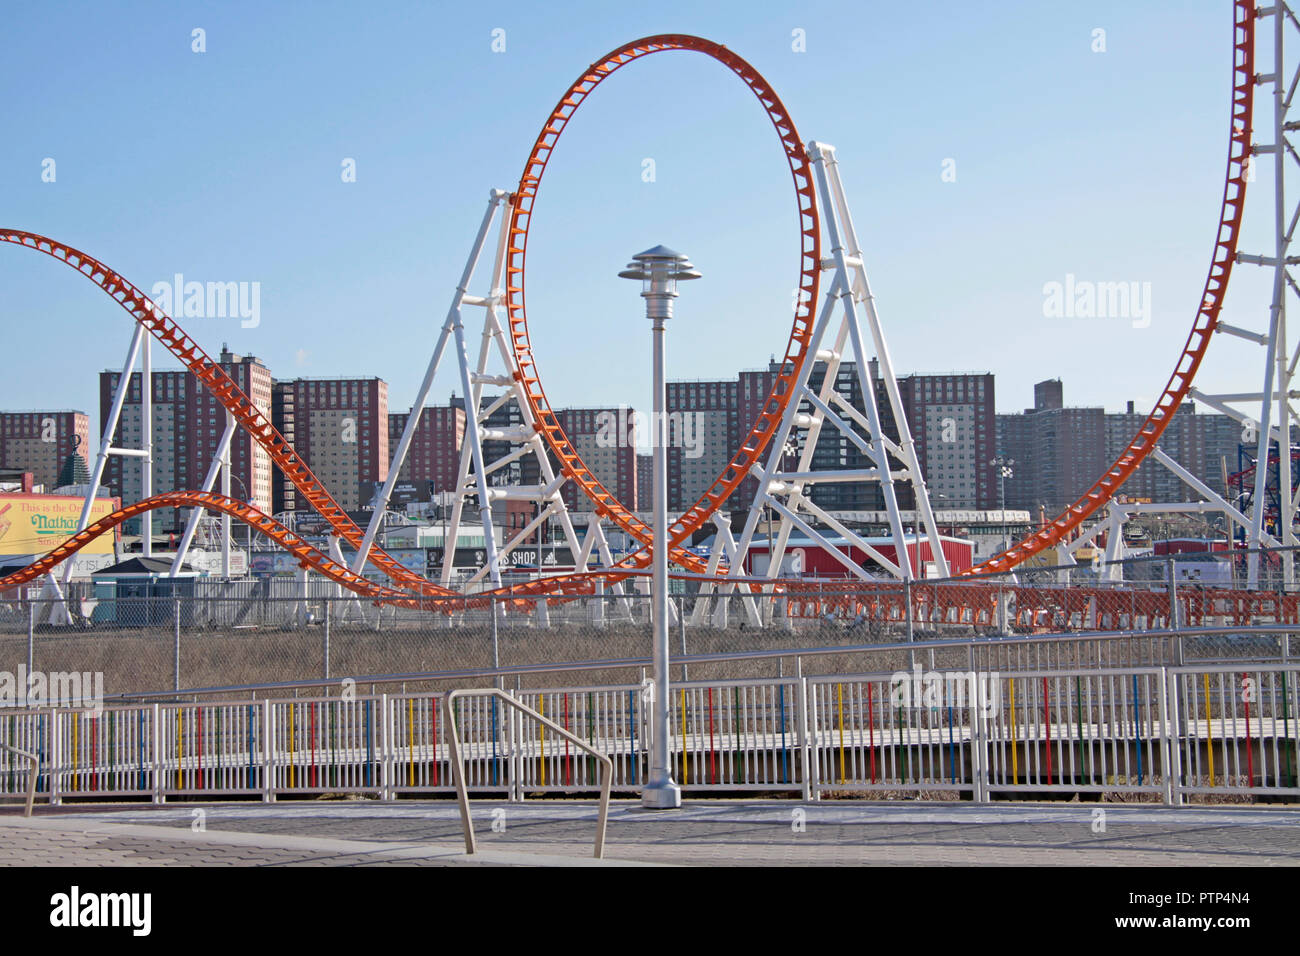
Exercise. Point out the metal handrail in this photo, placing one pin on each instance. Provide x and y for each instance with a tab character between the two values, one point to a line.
458	770
32	777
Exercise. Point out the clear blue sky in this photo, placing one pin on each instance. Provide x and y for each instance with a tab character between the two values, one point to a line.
225	166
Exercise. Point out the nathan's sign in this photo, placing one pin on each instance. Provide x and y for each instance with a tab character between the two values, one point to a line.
35	524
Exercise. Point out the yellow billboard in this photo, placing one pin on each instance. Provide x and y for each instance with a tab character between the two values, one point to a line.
35	524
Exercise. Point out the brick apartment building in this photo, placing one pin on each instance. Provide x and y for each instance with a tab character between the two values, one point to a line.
433	459
188	422
606	440
41	441
340	428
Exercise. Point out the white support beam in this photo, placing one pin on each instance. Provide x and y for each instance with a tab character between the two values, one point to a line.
106	441
489	481
776	453
1249	336
888	462
1245	420
225	490
893	567
146	443
1201	488
849	564
724	546
906	448
496	201
1250	396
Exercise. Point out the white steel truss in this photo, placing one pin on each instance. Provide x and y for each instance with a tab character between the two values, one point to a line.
140	350
478	478
786	491
220	465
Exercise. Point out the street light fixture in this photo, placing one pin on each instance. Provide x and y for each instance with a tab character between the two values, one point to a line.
1005	471
660	269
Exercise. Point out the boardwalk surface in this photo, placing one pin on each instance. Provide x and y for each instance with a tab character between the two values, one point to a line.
713	832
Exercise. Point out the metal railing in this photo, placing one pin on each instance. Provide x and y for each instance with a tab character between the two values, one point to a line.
516	707
33	774
1164	733
1237	726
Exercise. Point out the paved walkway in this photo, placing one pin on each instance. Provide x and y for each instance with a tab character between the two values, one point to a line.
713	832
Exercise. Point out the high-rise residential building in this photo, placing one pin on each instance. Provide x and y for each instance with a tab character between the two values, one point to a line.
951	418
340	429
1183	439
645	483
1058	452
1206	445
753	389
605	438
42	441
953	423
1048	395
1222	439
188	422
703	432
1015	440
284	494
433	458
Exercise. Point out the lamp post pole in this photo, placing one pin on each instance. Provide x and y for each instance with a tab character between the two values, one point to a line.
659	270
248	557
1004	465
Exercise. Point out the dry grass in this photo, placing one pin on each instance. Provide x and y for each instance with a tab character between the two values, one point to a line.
136	660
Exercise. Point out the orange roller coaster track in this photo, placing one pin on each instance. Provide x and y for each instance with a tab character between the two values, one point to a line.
1207	315
165	330
147	314
252	420
783	389
308	555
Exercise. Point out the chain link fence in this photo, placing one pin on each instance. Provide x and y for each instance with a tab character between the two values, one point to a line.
229	634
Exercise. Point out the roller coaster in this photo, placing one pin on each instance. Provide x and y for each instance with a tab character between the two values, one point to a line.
815	195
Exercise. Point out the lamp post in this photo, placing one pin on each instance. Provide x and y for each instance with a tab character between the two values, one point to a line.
248	557
938	496
1005	468
659	270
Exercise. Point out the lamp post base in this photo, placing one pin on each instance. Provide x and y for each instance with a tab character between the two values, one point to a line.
661	795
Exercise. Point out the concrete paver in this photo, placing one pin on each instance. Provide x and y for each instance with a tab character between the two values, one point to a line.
714	832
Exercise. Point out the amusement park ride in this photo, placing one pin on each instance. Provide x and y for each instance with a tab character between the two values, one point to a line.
835	321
